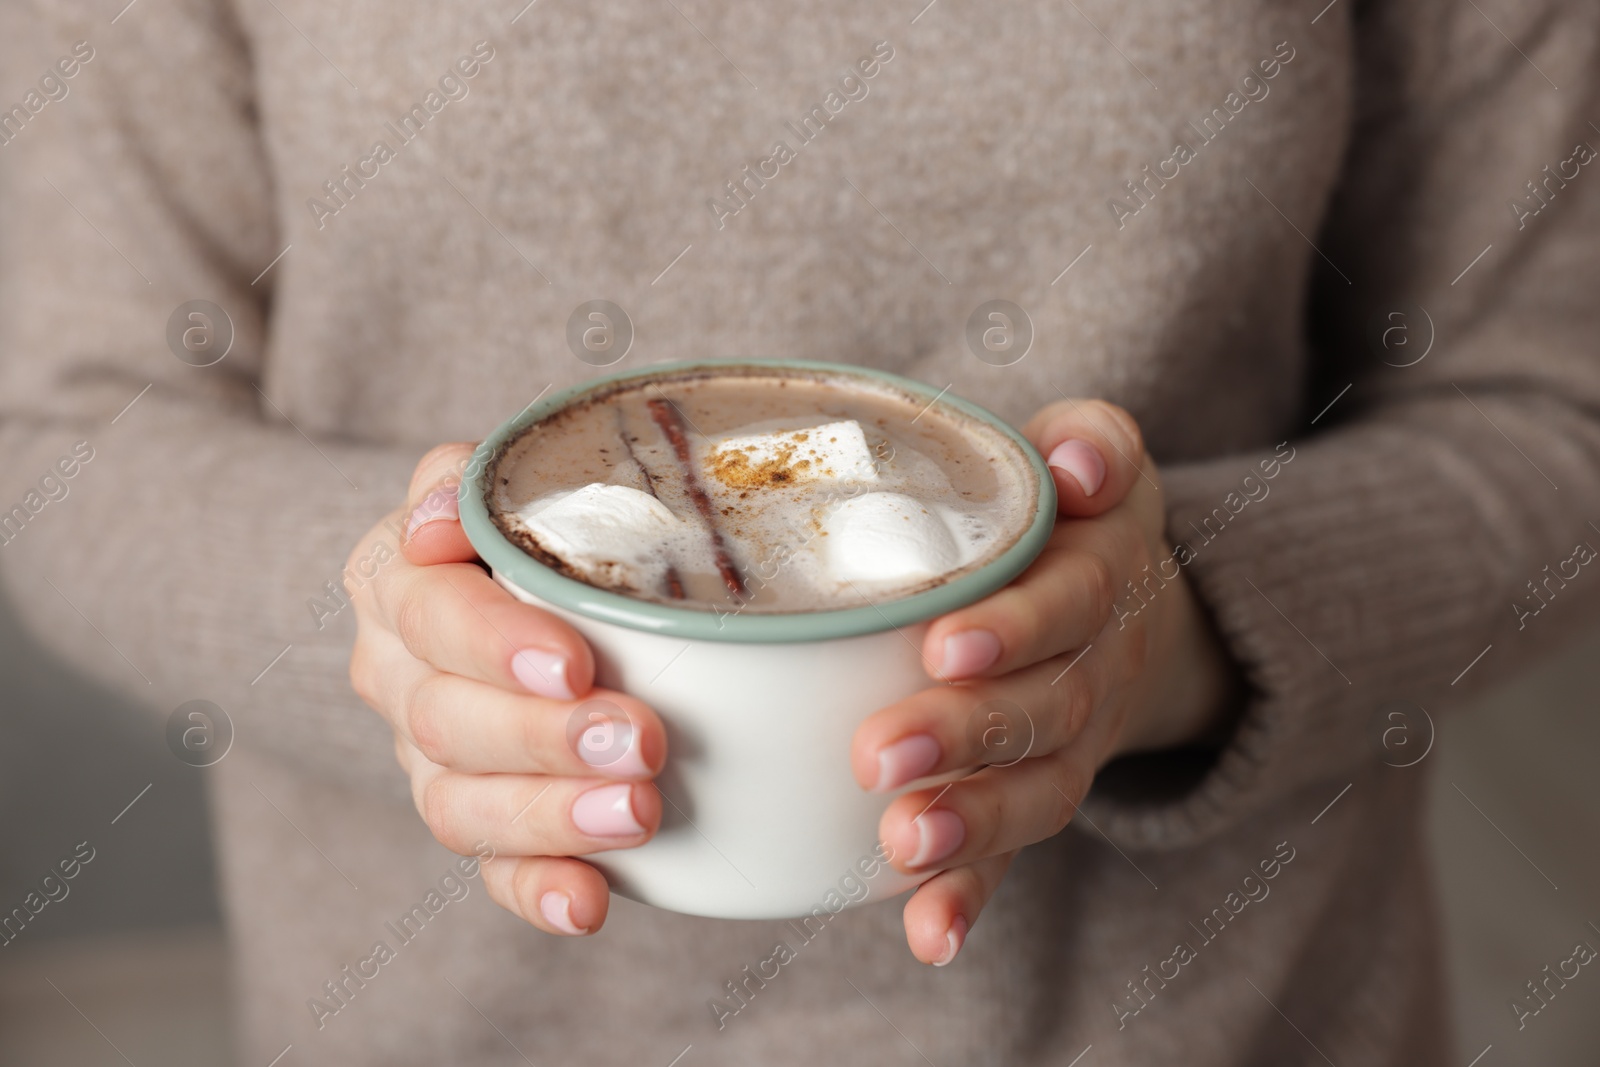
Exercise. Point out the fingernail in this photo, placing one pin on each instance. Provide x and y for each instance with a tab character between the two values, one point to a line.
906	759
557	911
543	673
606	812
939	833
1081	460
612	746
439	504
954	938
967	653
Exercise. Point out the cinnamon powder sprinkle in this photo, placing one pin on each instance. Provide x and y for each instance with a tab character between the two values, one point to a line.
735	468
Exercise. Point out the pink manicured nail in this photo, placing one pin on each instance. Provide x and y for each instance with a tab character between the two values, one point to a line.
613	747
1081	460
544	673
606	812
939	833
439	504
557	911
908	758
954	938
967	653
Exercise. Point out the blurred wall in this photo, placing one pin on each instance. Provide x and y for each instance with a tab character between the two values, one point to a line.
1520	871
71	758
134	945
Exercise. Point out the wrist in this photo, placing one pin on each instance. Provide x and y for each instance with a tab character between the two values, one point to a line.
1194	689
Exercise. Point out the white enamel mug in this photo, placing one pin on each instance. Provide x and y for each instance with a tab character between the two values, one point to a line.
761	816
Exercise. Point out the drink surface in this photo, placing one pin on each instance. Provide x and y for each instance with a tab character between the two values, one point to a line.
761	490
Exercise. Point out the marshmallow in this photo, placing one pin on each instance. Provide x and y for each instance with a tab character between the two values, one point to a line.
835	450
889	538
610	531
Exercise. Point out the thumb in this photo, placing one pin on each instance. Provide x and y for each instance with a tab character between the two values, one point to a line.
1094	450
433	523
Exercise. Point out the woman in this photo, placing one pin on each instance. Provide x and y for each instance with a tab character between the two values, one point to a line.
1312	339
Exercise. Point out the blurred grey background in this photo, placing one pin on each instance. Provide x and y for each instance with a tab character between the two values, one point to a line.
132	966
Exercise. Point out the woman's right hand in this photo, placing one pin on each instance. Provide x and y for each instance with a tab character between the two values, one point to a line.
494	717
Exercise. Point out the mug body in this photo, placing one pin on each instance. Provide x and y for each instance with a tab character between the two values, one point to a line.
761	817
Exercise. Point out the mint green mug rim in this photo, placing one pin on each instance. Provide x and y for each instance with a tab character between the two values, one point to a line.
522	570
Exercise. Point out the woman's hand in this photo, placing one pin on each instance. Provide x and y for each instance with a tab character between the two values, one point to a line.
1052	680
494	718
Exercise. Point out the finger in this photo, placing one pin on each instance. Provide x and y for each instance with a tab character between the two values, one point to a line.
432	518
455	617
1060	602
532	815
944	908
466	725
476	728
1094	449
559	896
996	810
1027	714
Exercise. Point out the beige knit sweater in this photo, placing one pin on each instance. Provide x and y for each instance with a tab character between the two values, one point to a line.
1212	214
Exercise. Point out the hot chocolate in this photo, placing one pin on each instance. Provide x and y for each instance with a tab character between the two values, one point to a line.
761	489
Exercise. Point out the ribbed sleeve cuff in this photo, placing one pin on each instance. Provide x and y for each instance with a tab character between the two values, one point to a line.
1320	565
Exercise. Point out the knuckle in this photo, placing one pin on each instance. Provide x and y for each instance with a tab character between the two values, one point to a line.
443	451
377	599
362	676
498	879
1051	414
426	717
1025	625
441	463
996	817
1065	798
1058	411
441	810
525	887
532	733
411	620
1121	422
1099	588
1077	701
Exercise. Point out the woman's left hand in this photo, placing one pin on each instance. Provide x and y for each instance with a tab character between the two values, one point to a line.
1054	676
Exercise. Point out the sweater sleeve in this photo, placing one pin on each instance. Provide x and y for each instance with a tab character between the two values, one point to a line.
180	557
1434	528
